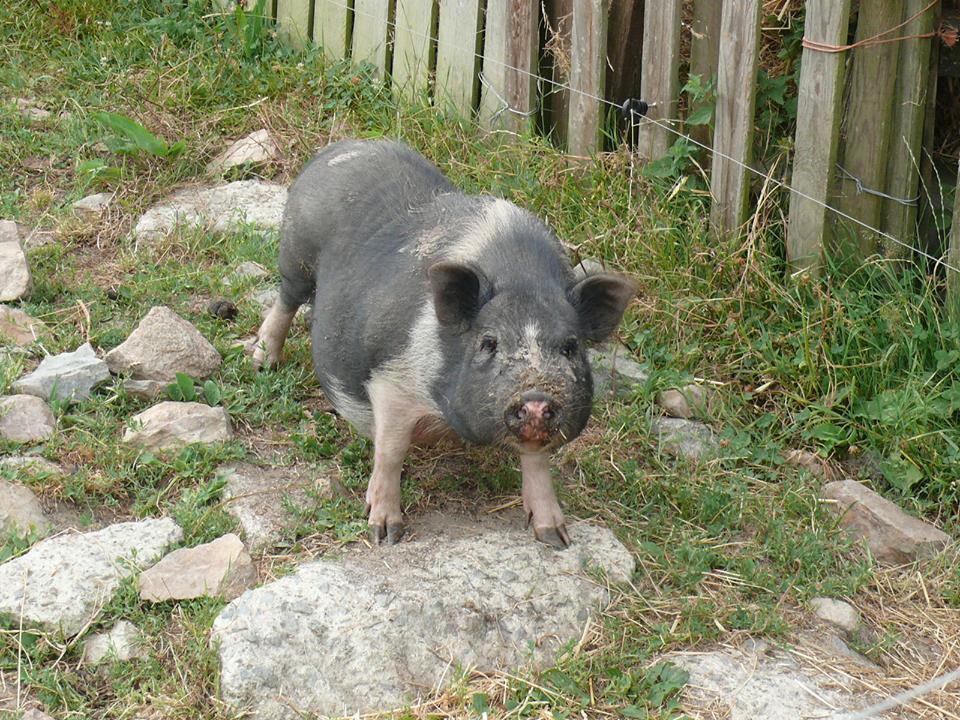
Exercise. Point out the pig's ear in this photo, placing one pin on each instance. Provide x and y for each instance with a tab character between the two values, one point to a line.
459	291
600	301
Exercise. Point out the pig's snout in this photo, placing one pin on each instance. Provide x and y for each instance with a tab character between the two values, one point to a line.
533	417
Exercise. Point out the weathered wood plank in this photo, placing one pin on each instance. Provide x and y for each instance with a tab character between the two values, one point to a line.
953	260
293	22
909	111
866	141
587	53
458	45
508	92
624	47
371	33
660	79
331	27
818	131
704	56
736	93
413	46
556	66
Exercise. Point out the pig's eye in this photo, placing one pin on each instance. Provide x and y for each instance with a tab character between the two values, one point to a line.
569	348
489	344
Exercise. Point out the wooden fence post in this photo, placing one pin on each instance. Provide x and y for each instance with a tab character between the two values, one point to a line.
659	79
866	140
293	22
818	130
508	91
371	33
413	46
458	44
736	92
704	56
953	260
331	27
588	46
909	111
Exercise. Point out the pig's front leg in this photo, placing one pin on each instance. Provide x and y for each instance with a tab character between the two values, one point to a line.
540	502
395	415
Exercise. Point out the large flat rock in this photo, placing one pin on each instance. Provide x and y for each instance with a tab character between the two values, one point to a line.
162	345
67	376
63	581
217	209
380	627
25	418
18	327
174	424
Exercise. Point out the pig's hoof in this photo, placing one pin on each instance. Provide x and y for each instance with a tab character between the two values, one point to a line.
555	536
389	534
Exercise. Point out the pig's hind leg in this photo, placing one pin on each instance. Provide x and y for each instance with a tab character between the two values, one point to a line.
395	416
296	287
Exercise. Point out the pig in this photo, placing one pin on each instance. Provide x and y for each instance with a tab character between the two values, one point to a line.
434	311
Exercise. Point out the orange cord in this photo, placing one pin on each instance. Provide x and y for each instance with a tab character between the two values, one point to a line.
948	34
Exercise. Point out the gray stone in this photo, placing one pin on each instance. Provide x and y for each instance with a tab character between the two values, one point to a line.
20	511
35	714
68	376
836	612
379	627
32	465
614	373
244	271
265	297
771	686
893	536
175	424
259	497
690	401
217	209
588	266
64	581
123	641
162	345
684	438
145	389
31	111
18	327
15	280
809	461
25	418
257	148
93	206
218	568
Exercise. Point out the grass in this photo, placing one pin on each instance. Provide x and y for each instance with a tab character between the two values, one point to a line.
861	368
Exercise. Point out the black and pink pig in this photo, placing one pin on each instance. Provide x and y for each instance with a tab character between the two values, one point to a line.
435	310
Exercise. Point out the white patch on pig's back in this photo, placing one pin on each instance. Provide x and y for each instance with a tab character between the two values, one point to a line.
484	230
343	157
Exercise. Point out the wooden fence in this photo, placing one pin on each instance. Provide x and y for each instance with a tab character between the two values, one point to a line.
865	110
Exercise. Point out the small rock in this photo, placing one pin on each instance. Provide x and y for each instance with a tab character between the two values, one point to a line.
20	511
246	270
688	402
258	497
257	148
66	376
265	297
145	389
31	111
809	461
18	327
588	266
25	418
123	641
93	206
347	635
32	465
175	424
219	209
34	714
685	438
836	612
614	372
15	278
893	536
218	568
63	582
162	345
223	309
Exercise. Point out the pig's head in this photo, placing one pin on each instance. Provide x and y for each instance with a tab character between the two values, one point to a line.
519	374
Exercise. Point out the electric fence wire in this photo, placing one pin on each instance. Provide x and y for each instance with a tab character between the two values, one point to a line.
894	700
559	86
